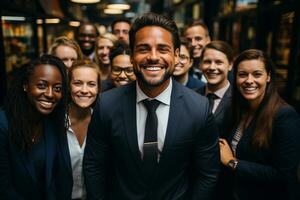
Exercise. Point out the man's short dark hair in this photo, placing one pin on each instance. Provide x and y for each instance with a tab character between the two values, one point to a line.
197	23
120	48
85	24
153	19
125	20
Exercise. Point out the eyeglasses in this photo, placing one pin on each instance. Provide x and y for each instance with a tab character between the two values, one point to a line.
183	58
118	70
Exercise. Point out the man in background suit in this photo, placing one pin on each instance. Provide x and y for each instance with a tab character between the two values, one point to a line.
123	159
183	63
197	34
216	62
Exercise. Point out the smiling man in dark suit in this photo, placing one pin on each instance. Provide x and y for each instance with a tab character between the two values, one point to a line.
153	138
216	63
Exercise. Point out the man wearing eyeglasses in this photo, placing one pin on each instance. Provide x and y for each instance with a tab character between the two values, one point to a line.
183	63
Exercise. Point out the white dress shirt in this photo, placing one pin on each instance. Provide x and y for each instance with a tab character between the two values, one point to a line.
76	155
162	113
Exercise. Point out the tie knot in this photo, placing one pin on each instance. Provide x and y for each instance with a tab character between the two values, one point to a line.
151	105
212	96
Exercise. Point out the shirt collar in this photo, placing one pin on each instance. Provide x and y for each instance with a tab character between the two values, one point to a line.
220	93
69	119
164	97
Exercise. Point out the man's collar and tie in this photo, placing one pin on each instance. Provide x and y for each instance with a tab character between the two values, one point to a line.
211	99
150	149
152	121
214	98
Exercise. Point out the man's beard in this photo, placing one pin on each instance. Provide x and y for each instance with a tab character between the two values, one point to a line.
140	76
87	52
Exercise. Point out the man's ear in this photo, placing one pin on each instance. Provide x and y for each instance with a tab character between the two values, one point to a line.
208	39
230	66
191	63
131	59
177	52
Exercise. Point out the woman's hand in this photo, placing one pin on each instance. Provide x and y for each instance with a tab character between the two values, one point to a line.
225	152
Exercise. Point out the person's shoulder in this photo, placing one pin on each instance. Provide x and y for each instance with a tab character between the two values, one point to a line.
228	92
115	96
194	83
191	96
106	85
286	112
115	92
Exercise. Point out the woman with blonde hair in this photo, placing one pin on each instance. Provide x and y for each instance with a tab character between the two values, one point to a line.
66	49
103	45
84	82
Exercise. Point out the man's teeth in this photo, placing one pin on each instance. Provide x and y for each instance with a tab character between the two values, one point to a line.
152	68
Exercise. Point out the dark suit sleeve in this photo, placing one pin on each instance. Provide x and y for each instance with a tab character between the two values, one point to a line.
285	152
7	190
96	156
206	161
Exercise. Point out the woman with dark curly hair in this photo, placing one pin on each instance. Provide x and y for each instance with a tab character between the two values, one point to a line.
30	127
262	149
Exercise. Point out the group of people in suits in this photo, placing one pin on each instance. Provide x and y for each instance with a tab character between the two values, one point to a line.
152	138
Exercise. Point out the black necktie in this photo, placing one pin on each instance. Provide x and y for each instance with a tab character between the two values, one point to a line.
150	149
211	99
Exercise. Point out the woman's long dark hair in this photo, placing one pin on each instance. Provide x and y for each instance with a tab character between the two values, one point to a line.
19	110
268	107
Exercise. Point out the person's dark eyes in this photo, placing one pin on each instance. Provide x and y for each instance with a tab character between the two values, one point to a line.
42	85
57	88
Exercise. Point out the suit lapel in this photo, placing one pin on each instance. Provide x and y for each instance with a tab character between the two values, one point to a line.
65	152
201	90
29	166
223	102
129	116
50	150
174	119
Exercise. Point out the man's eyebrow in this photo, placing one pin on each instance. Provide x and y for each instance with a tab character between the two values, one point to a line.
142	44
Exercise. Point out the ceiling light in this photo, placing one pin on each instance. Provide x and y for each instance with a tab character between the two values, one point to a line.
74	23
112	11
52	21
39	21
118	4
85	1
13	18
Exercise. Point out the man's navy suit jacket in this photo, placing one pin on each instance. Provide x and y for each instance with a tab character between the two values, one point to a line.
222	111
189	162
